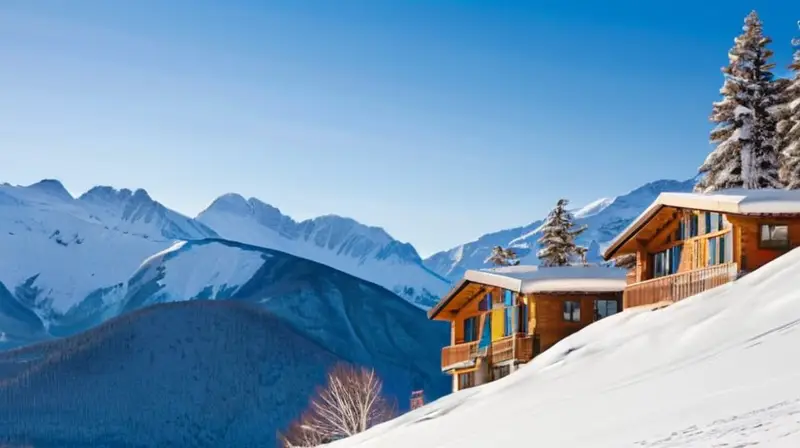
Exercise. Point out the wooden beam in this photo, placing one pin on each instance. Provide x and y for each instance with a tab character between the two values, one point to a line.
481	290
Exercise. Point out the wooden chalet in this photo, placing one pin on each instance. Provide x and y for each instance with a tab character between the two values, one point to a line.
687	243
500	318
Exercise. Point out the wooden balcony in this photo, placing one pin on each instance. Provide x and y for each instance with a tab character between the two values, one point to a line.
518	346
458	355
672	288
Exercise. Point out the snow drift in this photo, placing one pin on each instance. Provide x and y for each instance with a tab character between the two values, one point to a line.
717	369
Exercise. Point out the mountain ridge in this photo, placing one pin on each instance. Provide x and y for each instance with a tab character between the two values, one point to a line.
605	218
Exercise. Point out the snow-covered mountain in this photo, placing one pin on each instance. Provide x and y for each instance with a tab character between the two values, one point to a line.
58	250
342	243
605	218
716	370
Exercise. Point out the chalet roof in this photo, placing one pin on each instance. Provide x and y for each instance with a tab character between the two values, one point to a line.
537	279
733	201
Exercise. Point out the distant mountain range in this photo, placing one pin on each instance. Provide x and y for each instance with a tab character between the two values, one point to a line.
605	218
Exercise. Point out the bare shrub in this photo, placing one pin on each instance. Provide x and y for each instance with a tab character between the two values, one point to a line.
351	402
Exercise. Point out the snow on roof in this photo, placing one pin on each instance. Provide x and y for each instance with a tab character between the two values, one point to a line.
533	279
735	201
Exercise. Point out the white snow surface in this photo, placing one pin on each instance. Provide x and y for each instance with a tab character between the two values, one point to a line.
341	243
533	279
212	267
715	370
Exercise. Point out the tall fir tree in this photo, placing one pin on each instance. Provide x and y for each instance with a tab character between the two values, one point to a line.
745	155
789	129
558	238
503	257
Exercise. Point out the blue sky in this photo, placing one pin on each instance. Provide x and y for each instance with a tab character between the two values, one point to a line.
437	120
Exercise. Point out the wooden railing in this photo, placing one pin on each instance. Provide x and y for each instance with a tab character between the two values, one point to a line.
518	346
459	353
673	288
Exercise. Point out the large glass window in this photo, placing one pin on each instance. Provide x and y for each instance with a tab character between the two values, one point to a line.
720	250
774	236
572	311
667	262
604	308
471	329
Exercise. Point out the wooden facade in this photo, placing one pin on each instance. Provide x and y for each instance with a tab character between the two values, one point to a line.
494	330
682	252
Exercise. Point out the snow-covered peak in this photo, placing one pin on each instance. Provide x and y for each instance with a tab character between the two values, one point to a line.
53	188
340	242
135	211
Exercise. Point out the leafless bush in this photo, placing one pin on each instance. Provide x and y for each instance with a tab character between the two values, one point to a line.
351	402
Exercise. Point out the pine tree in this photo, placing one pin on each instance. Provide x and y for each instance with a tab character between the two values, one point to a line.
558	238
502	257
789	128
745	155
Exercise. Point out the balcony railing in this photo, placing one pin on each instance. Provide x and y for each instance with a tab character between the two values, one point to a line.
672	288
518	346
459	355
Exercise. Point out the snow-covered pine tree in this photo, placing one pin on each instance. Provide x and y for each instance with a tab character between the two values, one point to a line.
558	238
789	128
502	257
745	155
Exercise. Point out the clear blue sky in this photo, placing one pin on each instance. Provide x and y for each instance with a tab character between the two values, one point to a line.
437	120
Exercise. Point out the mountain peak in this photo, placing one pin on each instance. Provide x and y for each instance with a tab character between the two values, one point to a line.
52	187
231	203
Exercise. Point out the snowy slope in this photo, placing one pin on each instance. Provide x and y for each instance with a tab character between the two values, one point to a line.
605	218
342	243
716	370
346	315
66	249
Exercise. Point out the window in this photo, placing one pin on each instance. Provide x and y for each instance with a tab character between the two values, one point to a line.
680	233
466	380
500	371
693	225
485	303
471	329
522	312
713	222
774	236
667	262
572	311
720	250
604	308
508	302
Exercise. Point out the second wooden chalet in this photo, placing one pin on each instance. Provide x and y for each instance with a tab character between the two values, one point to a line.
500	318
686	243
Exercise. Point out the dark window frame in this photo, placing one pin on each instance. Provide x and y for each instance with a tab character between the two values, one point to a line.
570	309
606	302
771	243
475	329
470	382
